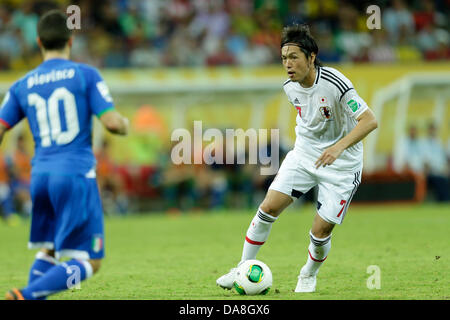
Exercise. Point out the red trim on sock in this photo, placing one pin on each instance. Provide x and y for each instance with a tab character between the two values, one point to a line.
257	243
316	260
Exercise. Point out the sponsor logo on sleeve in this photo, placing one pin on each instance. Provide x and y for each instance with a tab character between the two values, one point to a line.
104	91
353	105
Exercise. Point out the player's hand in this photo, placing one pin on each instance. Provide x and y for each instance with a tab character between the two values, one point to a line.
329	156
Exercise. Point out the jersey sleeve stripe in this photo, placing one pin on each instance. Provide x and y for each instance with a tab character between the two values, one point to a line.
318	75
6	124
333	82
345	93
335	77
104	111
356	183
286	82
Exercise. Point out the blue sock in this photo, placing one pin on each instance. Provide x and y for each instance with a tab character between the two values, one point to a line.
41	265
58	278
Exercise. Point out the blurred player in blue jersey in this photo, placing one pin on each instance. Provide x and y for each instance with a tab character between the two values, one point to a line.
59	98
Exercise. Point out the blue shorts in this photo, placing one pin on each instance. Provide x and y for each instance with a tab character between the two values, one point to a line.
67	216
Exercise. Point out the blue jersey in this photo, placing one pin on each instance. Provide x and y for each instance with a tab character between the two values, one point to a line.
59	98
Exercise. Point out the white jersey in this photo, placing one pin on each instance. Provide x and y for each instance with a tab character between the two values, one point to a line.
327	112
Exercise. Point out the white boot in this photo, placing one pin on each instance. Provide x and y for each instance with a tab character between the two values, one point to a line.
306	282
227	280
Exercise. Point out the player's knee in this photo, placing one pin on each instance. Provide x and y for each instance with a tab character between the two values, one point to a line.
266	207
322	231
321	228
96	264
275	202
320	234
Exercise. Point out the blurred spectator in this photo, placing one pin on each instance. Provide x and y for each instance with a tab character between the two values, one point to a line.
254	55
109	181
380	49
11	41
434	42
436	165
25	20
412	151
6	196
349	41
427	156
20	177
222	56
132	33
398	19
328	50
406	49
178	185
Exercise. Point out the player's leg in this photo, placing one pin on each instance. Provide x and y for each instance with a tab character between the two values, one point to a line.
335	194
318	249
41	232
79	236
44	260
42	228
320	244
259	229
289	184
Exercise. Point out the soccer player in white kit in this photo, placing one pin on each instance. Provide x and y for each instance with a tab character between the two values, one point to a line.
331	122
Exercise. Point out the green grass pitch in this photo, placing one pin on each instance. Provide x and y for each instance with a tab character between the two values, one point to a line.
161	257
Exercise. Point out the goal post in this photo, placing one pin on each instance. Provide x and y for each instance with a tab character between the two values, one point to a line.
433	86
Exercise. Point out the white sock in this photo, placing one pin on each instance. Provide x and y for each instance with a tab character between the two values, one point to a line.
257	234
317	253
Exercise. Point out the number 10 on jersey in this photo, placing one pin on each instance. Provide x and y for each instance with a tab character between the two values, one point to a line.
48	118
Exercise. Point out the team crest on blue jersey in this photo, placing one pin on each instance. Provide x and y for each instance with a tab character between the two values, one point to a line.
326	112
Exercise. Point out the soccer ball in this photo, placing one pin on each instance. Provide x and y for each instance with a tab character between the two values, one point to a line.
253	277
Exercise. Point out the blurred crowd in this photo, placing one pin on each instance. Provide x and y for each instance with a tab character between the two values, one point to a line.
165	186
427	154
155	33
138	33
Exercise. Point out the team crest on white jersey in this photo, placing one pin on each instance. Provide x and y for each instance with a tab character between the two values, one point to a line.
323	100
326	112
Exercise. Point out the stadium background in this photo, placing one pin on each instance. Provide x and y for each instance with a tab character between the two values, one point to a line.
171	231
170	63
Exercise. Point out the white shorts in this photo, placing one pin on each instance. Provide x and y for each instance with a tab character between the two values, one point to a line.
297	175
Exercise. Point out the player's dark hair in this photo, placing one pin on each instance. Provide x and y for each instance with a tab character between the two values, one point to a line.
53	31
300	35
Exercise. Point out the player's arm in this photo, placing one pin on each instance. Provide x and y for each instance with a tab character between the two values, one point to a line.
114	122
366	124
3	130
101	103
10	112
